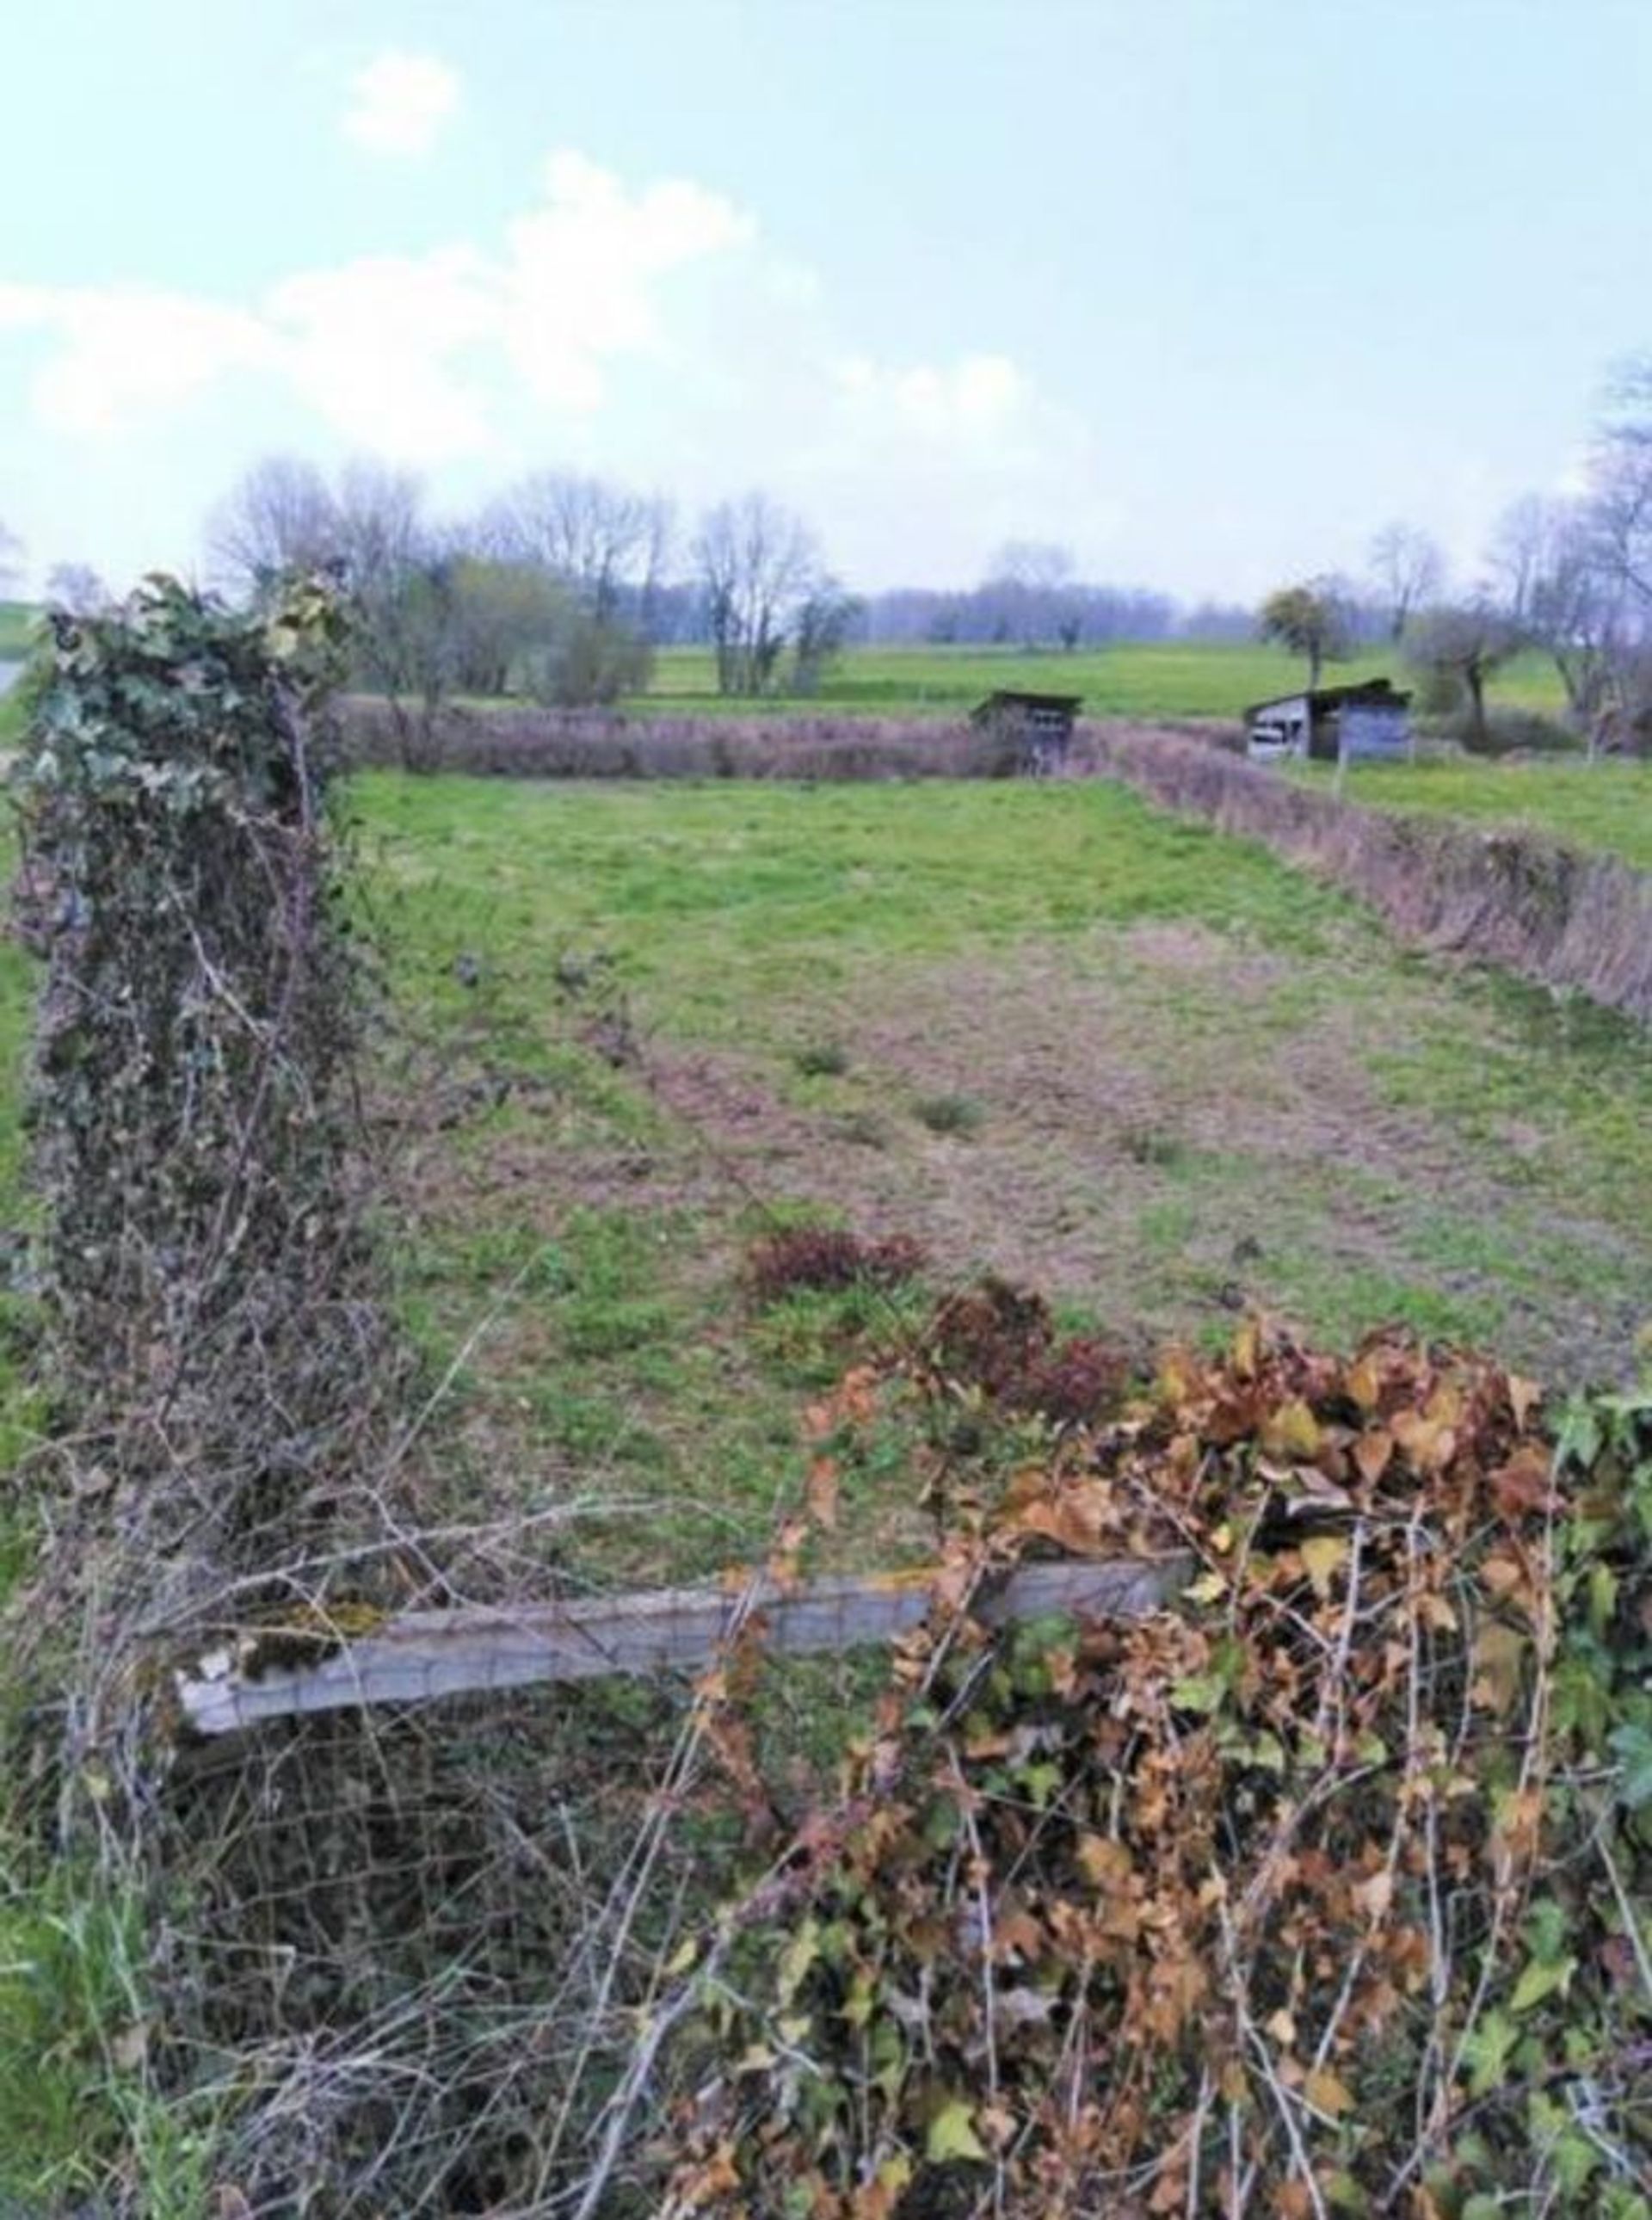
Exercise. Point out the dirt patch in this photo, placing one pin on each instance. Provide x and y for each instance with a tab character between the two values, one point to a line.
1159	1135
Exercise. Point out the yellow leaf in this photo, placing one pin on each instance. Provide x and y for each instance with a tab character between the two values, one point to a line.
1364	1385
953	2134
1292	1430
1371	1453
1326	2093
1209	1587
1247	1344
1322	1556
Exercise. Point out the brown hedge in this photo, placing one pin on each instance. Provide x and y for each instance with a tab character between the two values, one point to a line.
1505	895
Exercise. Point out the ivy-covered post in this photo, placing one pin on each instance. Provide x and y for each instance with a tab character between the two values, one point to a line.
198	1027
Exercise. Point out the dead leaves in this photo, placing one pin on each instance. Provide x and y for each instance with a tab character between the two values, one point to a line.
1095	1871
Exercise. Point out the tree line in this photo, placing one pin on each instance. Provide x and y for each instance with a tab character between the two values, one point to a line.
562	588
1568	576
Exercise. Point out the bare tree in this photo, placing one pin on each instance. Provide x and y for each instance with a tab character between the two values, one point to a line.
1621	480
596	538
281	515
76	588
1560	589
757	566
1458	648
823	623
1409	572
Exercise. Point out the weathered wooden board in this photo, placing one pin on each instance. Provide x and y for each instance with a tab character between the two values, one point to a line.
425	1655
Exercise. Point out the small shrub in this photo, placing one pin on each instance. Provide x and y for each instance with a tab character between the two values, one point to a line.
1081	1380
992	1336
865	1130
959	1114
1150	1144
822	1059
819	1259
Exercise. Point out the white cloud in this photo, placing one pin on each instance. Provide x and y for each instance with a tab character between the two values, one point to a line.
403	354
641	328
579	281
126	348
400	103
980	394
376	347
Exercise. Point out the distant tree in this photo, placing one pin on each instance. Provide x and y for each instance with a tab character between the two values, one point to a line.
583	660
281	515
759	567
598	539
1408	570
1621	481
1311	620
1459	647
11	557
821	629
1028	580
76	588
1219	620
1561	591
503	615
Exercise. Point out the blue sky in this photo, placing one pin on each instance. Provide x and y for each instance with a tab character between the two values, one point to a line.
1208	290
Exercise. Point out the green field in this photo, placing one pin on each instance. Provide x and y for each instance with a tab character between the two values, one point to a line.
1176	1076
1170	679
1047	1032
1601	805
17	623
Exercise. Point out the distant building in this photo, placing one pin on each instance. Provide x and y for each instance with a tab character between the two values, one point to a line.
1369	722
1036	729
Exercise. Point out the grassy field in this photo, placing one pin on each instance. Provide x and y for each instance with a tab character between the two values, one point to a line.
1049	1033
17	621
1603	805
1168	679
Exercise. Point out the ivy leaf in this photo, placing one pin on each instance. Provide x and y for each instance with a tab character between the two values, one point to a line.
1487	2050
1631	1745
1540	1979
953	2134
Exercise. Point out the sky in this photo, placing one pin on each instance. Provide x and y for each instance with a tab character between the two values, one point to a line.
1206	290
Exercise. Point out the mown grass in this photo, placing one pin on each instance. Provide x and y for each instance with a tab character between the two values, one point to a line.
1606	805
1139	679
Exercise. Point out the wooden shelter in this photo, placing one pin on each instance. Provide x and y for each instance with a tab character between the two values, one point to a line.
1367	722
1036	729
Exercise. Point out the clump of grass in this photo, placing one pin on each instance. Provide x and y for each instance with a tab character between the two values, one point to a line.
825	1059
863	1129
959	1114
1150	1144
820	1259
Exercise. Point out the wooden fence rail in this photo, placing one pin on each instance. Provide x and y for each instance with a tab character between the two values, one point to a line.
428	1654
